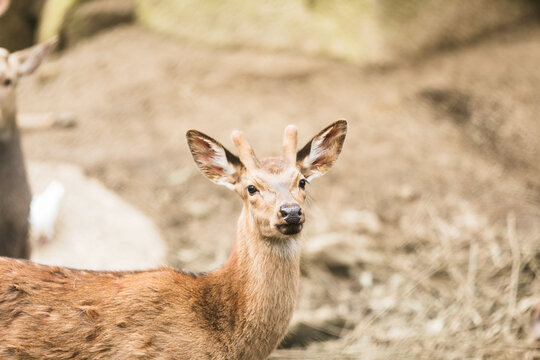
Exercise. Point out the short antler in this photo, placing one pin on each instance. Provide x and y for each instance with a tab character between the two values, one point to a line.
245	151
289	144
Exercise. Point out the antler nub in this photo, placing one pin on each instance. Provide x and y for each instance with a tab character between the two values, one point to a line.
245	152
289	144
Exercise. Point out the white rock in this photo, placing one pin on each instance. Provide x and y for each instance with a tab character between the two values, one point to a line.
96	229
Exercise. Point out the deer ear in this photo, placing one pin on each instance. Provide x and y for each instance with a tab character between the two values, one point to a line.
28	60
4	4
213	159
319	154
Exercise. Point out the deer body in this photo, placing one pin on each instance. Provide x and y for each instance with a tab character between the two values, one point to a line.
14	199
240	311
232	313
14	189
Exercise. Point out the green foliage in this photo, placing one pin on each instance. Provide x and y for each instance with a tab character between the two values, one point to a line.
52	18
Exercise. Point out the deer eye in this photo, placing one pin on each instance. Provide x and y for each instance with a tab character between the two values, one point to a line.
302	183
7	82
252	189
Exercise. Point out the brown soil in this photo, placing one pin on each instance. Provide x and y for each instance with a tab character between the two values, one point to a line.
430	150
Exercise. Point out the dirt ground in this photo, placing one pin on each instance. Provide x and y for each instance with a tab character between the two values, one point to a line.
440	150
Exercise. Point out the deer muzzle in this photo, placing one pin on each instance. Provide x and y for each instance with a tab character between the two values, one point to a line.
293	216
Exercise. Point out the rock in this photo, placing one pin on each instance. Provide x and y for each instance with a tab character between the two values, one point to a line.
323	324
363	31
335	249
91	17
363	221
78	19
95	229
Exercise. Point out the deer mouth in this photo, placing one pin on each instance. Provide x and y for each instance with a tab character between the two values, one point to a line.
289	229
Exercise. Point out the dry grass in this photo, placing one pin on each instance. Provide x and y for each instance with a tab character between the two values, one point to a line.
466	293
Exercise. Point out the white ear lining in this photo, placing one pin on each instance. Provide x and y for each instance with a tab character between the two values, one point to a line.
316	150
220	159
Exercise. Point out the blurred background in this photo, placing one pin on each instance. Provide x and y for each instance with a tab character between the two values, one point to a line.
421	243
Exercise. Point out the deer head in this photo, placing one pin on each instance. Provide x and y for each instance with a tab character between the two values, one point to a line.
273	189
12	68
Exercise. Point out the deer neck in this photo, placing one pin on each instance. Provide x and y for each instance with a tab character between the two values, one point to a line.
11	156
265	275
9	134
14	195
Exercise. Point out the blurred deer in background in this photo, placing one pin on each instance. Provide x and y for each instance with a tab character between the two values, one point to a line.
40	121
240	311
14	190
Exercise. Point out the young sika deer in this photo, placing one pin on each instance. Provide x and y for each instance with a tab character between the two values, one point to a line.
240	311
14	190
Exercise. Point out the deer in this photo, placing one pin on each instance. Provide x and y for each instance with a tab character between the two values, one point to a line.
239	311
15	193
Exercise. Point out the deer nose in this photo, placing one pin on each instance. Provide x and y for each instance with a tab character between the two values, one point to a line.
291	213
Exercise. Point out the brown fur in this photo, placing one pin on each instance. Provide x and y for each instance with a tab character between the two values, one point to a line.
240	311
